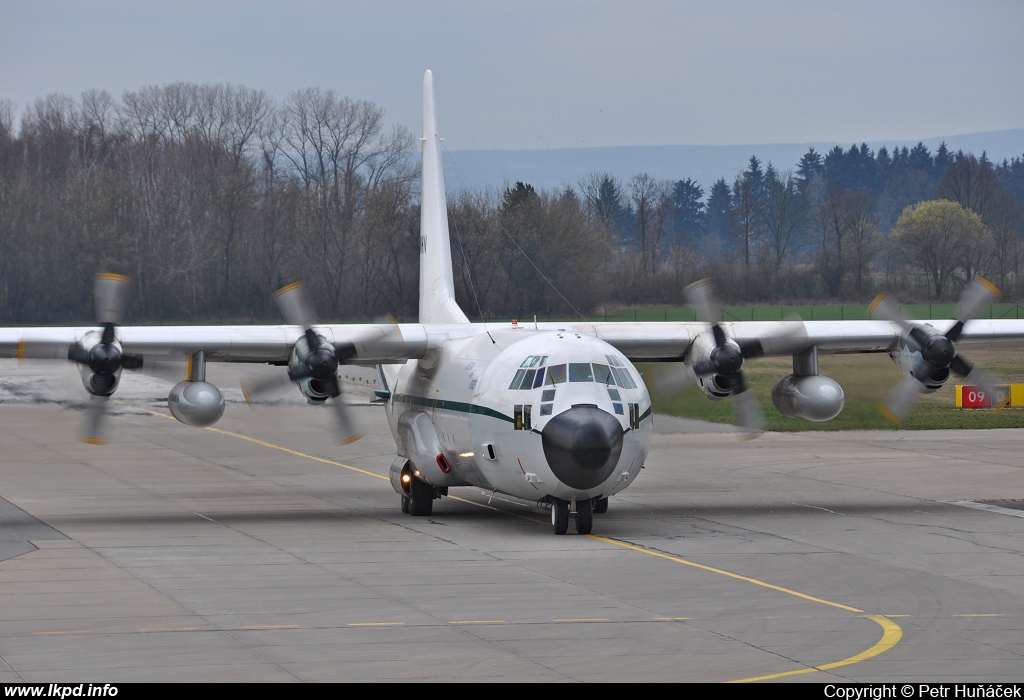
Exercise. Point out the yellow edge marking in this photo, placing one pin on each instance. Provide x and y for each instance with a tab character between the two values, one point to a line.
287	288
723	572
64	632
477	622
581	619
112	276
269	627
169	629
375	624
991	287
274	447
891	634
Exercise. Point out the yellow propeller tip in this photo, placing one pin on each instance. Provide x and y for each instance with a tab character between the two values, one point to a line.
876	302
350	440
91	440
889	414
989	286
287	288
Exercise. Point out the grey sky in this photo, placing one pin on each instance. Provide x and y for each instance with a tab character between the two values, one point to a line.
560	73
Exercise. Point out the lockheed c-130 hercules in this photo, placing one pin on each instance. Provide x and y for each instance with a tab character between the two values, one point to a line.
552	413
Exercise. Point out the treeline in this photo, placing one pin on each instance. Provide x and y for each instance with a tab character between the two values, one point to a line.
212	196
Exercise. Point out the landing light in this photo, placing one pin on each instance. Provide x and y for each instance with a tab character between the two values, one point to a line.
406	478
467	454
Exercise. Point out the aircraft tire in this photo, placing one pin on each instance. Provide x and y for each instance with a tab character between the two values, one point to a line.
559	516
584	516
600	505
421	501
405	504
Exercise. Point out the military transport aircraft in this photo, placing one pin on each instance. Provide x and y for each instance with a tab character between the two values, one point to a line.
553	413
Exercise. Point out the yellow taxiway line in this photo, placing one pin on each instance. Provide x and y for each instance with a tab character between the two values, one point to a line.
891	632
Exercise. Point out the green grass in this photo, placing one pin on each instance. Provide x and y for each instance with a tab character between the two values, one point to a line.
866	379
808	312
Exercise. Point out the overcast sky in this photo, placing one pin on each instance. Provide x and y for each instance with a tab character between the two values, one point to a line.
560	73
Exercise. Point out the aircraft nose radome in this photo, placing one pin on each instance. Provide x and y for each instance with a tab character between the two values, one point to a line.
582	446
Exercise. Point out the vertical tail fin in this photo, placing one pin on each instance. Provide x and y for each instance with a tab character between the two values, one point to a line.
437	285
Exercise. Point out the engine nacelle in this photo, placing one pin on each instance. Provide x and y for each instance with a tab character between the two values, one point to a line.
910	359
701	350
98	384
313	389
199	404
813	397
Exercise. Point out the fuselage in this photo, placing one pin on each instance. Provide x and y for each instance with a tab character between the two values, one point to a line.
526	412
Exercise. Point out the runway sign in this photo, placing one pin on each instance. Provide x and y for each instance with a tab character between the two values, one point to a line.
977	397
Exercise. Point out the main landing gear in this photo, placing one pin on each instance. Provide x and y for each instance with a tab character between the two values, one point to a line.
584	515
419	496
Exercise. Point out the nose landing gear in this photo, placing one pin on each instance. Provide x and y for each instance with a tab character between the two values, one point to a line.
584	516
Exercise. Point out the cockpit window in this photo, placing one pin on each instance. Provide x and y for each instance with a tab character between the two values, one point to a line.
517	380
528	379
615	375
602	375
540	378
556	374
580	372
623	378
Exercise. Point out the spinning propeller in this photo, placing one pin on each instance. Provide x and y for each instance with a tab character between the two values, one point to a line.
103	358
937	351
725	362
319	365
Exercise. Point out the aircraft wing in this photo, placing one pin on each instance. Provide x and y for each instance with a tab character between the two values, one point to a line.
379	344
373	343
669	342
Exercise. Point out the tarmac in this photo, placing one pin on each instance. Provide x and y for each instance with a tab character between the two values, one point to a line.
259	551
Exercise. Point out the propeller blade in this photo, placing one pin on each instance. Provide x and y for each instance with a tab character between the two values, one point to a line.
748	413
978	377
885	309
166	369
978	294
699	296
673	380
255	389
345	428
29	350
901	400
293	307
111	294
95	421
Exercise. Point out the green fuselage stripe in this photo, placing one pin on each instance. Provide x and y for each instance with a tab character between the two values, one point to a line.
458	406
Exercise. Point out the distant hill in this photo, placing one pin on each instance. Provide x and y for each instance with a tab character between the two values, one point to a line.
557	167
